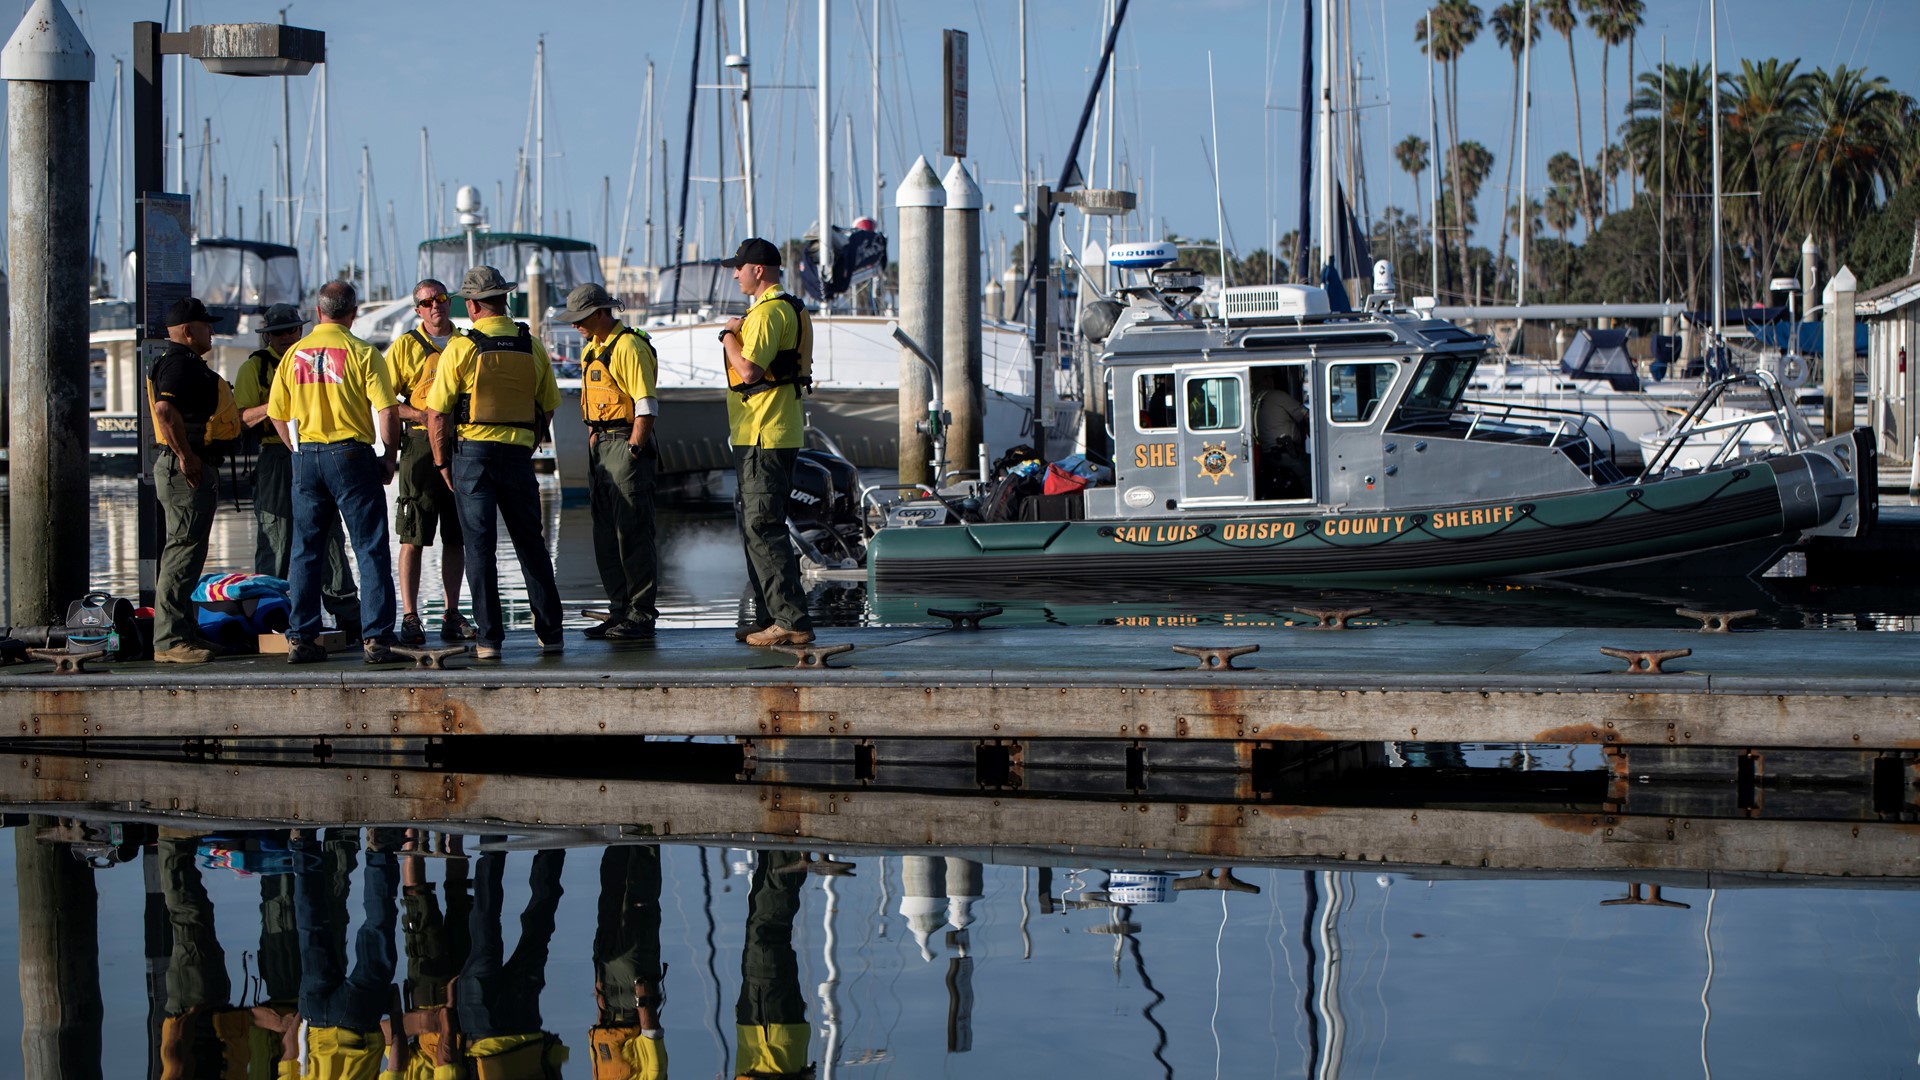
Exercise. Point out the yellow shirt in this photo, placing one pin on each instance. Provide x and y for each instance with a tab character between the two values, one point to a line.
634	367
628	1053
330	385
421	1066
771	1049
407	364
337	1053
252	386
772	419
457	367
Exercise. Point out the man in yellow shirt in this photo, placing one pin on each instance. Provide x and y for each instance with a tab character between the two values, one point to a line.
425	504
327	397
767	429
488	407
617	400
281	326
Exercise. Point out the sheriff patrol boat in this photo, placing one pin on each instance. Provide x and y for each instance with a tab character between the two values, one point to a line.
1273	438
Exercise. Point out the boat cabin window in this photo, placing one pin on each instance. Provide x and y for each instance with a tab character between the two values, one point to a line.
1355	391
1213	403
1153	390
1434	393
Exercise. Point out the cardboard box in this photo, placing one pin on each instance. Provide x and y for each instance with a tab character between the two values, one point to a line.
331	640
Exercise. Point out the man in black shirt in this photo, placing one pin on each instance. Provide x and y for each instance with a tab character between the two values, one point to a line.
192	409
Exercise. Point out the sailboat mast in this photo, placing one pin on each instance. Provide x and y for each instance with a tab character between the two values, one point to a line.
1526	107
826	150
641	137
366	232
873	128
426	191
1433	174
746	124
285	179
1713	36
119	180
540	134
1324	160
686	154
326	190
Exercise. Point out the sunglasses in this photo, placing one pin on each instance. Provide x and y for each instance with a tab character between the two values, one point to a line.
436	298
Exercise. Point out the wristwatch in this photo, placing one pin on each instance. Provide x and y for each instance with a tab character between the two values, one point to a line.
724	331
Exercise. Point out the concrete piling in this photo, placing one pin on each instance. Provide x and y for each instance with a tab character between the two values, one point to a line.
960	315
919	200
993	301
47	65
1838	362
61	1014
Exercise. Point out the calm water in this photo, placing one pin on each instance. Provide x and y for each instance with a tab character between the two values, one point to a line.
703	577
925	965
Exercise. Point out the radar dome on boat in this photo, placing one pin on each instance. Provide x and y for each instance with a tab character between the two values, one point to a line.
1142	256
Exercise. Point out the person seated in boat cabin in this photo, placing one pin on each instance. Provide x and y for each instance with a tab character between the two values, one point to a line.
1281	427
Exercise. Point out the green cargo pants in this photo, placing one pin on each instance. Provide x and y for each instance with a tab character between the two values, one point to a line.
188	511
621	488
773	567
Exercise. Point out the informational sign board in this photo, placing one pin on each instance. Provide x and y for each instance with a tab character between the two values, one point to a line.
956	86
166	256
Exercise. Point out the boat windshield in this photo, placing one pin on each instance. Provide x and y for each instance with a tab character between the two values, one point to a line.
1436	389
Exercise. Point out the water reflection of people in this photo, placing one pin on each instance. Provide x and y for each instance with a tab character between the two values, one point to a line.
496	998
628	1041
341	1006
202	1033
436	941
771	1032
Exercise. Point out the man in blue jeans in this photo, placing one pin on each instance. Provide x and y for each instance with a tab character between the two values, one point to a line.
341	1006
328	395
488	408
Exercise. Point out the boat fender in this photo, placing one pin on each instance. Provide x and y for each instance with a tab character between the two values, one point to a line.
1793	371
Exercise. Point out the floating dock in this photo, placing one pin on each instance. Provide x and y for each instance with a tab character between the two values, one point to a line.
1021	687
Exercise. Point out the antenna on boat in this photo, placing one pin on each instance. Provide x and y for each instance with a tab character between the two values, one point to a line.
1219	207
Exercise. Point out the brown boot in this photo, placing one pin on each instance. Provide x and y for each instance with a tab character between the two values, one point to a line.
779	635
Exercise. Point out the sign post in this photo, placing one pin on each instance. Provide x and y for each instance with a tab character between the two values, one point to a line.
955	115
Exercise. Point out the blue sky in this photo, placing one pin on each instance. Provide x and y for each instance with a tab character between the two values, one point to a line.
401	65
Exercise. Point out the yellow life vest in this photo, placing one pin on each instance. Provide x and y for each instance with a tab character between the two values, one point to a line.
505	381
601	399
790	367
222	427
429	367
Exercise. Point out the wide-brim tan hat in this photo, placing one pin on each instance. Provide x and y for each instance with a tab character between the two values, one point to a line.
483	282
583	301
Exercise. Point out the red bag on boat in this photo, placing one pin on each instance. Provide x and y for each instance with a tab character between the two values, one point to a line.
1061	482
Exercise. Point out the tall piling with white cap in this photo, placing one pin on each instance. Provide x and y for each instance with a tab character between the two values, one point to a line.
993	301
1838	362
960	314
533	286
1809	277
47	65
919	200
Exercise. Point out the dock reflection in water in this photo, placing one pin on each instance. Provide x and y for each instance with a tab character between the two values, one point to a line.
738	928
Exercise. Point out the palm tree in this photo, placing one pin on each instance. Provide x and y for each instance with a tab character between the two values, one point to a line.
1614	22
1687	129
1506	22
1851	142
1561	16
1765	105
1562	214
1456	23
1411	153
1526	215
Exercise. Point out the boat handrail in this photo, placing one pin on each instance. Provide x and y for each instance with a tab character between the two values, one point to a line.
1570	423
1693	423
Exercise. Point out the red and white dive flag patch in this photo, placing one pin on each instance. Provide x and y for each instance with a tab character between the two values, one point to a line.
320	365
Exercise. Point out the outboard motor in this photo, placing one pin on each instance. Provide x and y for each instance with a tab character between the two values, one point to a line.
822	512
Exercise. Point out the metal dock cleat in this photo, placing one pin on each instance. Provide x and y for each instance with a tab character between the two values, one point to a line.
1217	880
814	656
964	620
1716	622
1333	618
430	659
1646	661
1216	657
67	663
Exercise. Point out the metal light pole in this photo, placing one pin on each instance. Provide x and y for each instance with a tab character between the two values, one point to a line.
250	49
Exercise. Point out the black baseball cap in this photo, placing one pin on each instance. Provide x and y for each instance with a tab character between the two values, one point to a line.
188	310
754	252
